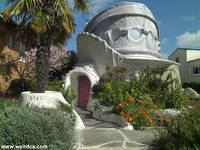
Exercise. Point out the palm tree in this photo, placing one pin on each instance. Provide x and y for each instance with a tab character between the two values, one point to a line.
43	23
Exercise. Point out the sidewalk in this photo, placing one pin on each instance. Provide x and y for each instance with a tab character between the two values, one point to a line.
100	135
116	139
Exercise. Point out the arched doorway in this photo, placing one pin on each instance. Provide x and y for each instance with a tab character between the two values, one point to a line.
84	87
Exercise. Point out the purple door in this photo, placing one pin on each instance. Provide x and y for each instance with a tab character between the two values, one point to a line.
84	91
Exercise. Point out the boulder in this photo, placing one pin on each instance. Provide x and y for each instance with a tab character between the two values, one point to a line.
191	93
113	118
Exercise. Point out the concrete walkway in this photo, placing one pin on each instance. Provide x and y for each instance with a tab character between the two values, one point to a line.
100	135
116	139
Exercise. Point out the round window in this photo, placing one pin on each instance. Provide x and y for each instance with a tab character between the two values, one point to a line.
115	34
135	34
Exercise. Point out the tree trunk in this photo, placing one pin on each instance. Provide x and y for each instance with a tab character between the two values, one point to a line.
42	62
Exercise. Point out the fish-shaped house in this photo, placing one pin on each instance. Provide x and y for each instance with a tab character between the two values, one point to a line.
125	34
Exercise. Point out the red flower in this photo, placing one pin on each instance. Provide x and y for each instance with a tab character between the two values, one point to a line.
131	99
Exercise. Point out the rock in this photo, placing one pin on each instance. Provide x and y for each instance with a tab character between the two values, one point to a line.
128	127
191	93
113	118
49	99
171	112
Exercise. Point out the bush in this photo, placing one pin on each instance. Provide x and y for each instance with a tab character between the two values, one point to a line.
183	133
34	126
8	103
111	87
19	85
148	92
139	112
55	85
68	93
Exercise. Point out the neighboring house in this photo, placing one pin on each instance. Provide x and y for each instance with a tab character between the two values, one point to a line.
189	60
11	48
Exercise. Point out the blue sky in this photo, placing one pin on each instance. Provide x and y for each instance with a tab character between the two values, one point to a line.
179	21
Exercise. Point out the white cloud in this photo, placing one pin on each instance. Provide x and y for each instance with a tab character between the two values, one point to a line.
164	55
99	5
189	18
189	39
164	41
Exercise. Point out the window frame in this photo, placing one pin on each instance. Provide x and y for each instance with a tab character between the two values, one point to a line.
11	44
196	70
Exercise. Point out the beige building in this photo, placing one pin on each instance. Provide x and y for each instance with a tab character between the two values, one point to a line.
11	48
189	60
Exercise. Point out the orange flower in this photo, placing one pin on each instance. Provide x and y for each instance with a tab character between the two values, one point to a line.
140	110
148	111
130	119
155	107
149	121
131	99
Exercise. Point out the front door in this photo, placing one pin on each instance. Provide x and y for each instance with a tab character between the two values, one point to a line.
84	91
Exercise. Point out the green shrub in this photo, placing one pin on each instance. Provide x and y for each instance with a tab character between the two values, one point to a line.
112	86
183	133
55	85
148	90
19	85
68	93
166	93
8	103
34	126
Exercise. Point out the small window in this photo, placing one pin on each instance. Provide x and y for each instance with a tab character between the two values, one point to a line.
115	34
135	34
196	70
177	60
11	41
22	49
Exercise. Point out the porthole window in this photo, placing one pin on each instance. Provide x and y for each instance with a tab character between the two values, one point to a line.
135	34
115	34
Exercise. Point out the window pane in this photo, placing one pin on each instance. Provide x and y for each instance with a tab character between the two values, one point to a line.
135	34
22	48
195	70
199	70
115	34
11	41
177	60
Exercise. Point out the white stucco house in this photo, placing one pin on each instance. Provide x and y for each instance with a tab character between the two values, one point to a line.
189	60
125	34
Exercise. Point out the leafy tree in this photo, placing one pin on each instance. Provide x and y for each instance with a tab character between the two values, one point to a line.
43	23
61	63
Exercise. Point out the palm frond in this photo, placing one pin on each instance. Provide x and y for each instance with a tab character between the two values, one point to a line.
68	24
21	6
64	13
62	7
41	21
81	5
